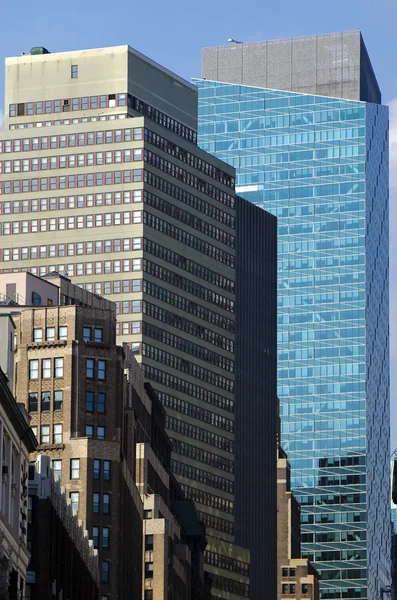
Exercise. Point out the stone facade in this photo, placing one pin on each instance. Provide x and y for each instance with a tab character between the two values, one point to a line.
16	442
296	578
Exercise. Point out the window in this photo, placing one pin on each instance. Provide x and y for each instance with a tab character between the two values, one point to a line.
33	369
148	570
292	572
149	542
89	401
147	514
86	334
74	72
101	370
284	572
74	468
101	403
34	430
97	468
96	502
101	433
33	402
59	367
106	504
74	499
95	536
292	588
46	368
89	431
105	537
305	588
148	595
58	433
57	469
98	335
50	334
106	470
45	401
37	335
58	399
105	571
63	333
89	368
285	588
45	434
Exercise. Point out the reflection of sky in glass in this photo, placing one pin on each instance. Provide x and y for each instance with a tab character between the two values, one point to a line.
320	165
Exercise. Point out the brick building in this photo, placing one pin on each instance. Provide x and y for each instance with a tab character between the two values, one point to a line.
69	373
63	561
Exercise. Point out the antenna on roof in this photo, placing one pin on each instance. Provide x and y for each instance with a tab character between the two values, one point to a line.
233	41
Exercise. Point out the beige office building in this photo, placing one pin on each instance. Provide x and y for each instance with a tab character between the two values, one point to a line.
102	181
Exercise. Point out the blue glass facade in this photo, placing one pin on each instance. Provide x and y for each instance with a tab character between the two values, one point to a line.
321	166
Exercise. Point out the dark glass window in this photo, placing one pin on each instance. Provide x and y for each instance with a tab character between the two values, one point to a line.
90	368
101	403
97	468
45	401
148	570
58	399
106	470
33	402
89	401
148	542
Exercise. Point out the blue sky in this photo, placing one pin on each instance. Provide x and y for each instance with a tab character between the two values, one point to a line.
174	32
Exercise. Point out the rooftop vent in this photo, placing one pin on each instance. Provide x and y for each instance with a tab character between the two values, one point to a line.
39	50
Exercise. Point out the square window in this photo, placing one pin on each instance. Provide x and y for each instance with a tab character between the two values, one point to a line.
58	399
33	402
45	401
58	433
74	72
89	431
33	369
57	469
75	468
86	334
97	469
90	368
89	401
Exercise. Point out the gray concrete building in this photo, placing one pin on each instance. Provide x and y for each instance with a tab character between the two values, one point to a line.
335	65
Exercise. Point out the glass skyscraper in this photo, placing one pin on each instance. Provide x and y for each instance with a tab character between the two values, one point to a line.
320	165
